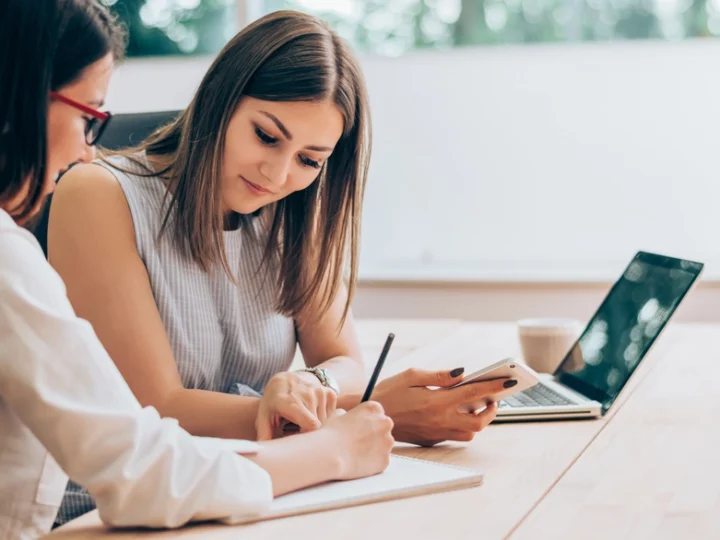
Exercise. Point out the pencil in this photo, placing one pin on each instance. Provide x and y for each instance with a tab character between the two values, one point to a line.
378	367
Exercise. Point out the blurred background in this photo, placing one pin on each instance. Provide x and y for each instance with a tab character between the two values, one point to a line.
524	150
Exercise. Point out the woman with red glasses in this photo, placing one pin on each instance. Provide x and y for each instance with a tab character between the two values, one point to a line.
64	407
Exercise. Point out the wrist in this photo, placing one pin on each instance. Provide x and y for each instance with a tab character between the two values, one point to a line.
331	452
348	401
323	377
308	377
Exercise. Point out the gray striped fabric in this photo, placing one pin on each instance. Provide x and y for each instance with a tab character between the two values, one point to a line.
226	337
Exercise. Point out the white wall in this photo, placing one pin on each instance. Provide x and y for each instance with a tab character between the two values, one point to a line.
539	163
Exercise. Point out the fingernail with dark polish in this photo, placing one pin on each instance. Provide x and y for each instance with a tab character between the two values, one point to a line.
457	372
510	383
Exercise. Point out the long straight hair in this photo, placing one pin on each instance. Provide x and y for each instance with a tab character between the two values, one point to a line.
44	45
312	234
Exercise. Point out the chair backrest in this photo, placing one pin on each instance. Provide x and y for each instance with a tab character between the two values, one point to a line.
130	129
124	130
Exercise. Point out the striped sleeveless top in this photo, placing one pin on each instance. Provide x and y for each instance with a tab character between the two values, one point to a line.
226	337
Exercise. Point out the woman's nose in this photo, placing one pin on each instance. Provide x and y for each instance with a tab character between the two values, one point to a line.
276	171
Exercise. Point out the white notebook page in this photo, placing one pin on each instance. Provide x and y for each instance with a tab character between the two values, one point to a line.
404	477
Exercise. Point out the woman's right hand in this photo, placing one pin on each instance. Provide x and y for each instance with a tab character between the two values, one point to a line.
427	416
364	439
347	446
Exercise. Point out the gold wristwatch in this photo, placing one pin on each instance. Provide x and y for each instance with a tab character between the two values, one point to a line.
324	377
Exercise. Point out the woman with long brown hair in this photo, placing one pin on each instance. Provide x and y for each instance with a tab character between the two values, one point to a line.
64	407
205	256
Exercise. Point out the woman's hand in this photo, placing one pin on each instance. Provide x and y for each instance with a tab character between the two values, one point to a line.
363	440
295	397
347	446
427	416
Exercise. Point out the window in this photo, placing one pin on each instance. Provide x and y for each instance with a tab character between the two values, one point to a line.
392	27
176	27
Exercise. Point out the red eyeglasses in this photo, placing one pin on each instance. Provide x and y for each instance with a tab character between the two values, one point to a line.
94	126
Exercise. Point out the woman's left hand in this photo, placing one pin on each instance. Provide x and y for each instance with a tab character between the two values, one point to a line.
296	397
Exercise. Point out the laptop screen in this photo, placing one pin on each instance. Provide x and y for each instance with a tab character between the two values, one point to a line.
625	326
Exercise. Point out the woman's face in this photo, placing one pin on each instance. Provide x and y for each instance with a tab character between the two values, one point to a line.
274	148
66	124
66	127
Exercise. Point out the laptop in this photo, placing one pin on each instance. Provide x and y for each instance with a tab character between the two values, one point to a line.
619	335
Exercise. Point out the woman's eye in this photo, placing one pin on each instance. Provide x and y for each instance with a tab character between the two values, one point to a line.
309	162
264	137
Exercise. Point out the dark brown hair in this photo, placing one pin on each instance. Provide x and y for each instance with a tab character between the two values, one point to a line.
285	56
44	45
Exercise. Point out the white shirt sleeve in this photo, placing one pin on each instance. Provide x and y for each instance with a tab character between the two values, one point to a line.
58	379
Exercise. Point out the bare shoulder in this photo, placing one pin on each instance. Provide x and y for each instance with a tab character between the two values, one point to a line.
87	182
89	206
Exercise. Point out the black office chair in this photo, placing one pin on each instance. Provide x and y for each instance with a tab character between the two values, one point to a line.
130	129
124	130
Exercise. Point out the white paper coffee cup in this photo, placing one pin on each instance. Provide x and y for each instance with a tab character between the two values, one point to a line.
544	342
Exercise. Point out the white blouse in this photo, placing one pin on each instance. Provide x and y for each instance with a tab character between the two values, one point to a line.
63	401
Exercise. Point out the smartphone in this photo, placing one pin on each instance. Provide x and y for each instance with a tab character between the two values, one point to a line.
525	376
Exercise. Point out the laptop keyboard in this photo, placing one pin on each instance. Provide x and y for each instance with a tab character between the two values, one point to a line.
537	396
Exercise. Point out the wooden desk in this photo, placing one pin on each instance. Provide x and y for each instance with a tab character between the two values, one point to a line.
654	471
522	462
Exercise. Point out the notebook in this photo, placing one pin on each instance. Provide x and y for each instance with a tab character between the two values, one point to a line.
404	477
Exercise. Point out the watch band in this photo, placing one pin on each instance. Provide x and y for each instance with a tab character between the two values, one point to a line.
324	377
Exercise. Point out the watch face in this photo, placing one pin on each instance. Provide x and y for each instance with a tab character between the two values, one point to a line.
325	378
329	381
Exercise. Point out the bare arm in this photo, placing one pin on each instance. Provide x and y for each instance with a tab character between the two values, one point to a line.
299	397
91	244
324	344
